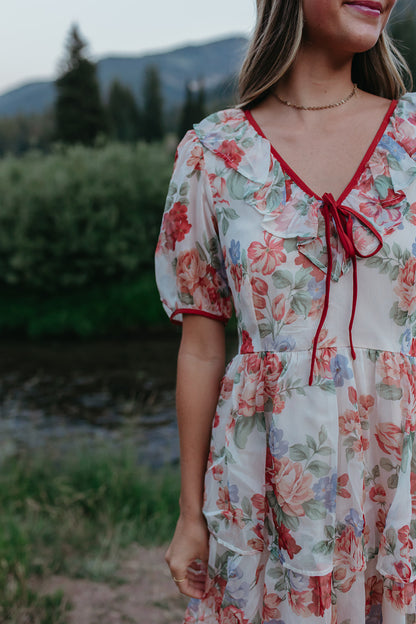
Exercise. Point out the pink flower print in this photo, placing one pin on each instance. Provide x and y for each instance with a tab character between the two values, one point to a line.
270	606
218	186
389	369
236	272
231	153
378	494
196	159
413	491
259	286
278	307
287	542
246	342
291	486
373	592
405	287
265	258
348	550
349	422
389	438
190	270
175	225
233	615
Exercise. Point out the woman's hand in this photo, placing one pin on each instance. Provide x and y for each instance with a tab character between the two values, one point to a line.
187	556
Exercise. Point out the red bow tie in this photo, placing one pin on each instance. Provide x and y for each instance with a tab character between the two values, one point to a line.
342	217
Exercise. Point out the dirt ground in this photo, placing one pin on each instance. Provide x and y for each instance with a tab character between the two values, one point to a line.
145	593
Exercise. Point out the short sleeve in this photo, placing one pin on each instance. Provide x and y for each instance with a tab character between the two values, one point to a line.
190	268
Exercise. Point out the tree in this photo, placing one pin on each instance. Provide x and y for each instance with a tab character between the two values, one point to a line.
193	109
152	106
123	113
79	113
402	28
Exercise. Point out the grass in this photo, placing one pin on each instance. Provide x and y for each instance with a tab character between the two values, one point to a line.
75	515
98	310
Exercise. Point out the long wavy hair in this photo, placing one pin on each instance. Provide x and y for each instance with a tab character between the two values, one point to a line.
275	44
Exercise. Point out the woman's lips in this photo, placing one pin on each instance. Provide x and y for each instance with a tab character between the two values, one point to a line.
367	7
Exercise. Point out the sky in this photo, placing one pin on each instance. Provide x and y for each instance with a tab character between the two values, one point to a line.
33	33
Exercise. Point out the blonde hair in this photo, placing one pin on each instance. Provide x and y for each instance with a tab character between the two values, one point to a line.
275	44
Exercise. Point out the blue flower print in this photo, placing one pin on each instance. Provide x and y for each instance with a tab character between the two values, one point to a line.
356	521
375	616
406	341
414	248
278	446
393	147
285	343
326	490
235	253
237	591
233	491
316	289
298	582
340	369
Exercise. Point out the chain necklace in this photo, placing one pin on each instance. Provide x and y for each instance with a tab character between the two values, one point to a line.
308	108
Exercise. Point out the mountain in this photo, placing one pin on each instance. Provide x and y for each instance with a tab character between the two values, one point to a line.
214	62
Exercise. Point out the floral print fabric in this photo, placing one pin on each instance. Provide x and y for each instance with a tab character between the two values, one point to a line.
310	490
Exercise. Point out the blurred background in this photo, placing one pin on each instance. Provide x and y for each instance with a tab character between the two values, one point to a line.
93	100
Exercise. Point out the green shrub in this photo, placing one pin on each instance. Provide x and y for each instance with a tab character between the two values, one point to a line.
81	216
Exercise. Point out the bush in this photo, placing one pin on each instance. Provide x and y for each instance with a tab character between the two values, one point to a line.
81	216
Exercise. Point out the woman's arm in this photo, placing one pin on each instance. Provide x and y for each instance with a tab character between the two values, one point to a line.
201	362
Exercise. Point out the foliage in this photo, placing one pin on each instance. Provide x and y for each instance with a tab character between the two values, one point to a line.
79	114
81	217
74	513
193	109
99	310
152	106
403	30
123	114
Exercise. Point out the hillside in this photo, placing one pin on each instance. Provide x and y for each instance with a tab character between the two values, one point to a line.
215	62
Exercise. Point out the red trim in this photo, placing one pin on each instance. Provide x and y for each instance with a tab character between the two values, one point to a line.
215	317
298	180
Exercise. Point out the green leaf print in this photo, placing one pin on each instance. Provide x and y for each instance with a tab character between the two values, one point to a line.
323	435
373	355
290	244
325	450
397	252
324	547
265	330
301	304
386	464
318	468
315	510
225	225
383	185
183	191
374	262
243	427
299	452
393	481
230	213
246	507
311	443
201	252
406	451
390	393
394	272
236	184
282	278
185	298
302	278
413	529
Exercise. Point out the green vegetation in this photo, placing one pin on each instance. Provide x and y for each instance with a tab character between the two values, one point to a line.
78	230
75	514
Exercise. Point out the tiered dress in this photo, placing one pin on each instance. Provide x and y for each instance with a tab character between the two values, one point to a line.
310	490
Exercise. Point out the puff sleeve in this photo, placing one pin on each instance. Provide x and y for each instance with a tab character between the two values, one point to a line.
190	269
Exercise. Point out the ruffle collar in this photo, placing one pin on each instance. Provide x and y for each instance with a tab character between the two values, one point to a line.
388	178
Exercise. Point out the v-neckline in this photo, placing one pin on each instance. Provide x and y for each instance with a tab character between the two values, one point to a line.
301	183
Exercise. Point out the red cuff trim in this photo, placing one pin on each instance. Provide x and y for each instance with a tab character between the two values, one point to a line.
215	317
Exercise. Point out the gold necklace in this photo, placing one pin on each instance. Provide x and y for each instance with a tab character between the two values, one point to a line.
308	108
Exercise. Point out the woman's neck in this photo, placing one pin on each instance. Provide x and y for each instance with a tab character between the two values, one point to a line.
316	80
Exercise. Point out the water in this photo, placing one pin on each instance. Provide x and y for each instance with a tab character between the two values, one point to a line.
61	393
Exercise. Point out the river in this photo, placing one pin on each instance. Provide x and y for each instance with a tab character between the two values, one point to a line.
63	392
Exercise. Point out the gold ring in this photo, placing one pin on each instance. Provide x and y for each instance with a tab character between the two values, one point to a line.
178	580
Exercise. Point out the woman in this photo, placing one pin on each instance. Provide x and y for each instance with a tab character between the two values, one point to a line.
300	208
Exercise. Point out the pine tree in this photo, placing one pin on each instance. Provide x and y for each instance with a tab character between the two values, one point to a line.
152	129
123	113
193	109
79	114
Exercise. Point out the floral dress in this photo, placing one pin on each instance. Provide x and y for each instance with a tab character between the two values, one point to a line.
310	489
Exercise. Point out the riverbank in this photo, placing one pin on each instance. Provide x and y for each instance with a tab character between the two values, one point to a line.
80	519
